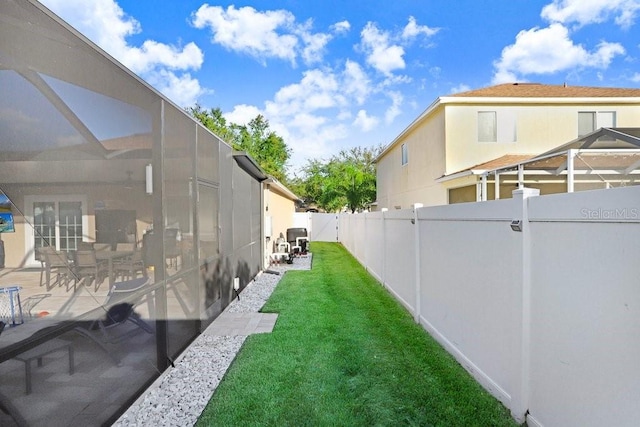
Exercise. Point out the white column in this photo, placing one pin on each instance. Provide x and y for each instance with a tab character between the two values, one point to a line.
520	176
570	183
484	187
497	186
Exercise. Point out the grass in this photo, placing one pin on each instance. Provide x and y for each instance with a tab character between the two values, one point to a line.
345	353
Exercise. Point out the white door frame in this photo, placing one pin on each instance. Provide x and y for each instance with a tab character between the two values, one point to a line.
28	216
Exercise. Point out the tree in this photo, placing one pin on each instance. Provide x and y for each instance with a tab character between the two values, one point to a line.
348	180
214	121
267	148
264	145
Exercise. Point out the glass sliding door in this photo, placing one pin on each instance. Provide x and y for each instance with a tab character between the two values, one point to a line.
59	222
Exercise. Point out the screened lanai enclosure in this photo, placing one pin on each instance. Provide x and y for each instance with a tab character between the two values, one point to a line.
123	226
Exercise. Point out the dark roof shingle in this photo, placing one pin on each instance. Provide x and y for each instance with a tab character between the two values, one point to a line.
536	90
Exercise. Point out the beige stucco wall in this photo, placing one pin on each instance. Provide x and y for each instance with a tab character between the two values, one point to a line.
539	128
403	185
280	208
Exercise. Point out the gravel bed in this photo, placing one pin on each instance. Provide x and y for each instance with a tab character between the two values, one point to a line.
180	394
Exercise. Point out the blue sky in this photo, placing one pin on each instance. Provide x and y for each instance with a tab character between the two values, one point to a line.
330	75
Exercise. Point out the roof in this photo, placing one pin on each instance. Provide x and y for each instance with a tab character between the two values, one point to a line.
537	90
498	163
279	187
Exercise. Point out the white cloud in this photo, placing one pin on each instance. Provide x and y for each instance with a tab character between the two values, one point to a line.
317	90
460	88
635	78
184	90
585	12
249	31
385	51
412	29
381	53
242	114
153	54
364	121
106	24
356	83
263	34
394	110
549	50
314	43
341	27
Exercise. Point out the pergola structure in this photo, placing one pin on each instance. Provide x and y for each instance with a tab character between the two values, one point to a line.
605	158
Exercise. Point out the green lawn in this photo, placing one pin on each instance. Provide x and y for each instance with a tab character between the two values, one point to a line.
345	353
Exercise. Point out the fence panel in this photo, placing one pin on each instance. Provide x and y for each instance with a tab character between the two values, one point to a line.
585	308
399	256
374	248
470	263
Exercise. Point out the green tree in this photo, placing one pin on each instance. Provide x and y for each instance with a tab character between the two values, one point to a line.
265	146
214	121
348	180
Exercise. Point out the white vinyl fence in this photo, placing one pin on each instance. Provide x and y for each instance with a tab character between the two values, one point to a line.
321	227
546	318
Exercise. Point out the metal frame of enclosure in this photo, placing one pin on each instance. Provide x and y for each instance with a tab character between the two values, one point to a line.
90	153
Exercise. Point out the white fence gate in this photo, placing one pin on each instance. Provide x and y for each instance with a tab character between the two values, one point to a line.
322	227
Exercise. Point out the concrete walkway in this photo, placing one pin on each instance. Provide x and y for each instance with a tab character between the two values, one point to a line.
242	324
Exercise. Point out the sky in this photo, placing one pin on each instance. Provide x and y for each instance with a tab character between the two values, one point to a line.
331	75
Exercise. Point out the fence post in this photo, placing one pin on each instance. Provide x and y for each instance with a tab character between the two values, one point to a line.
384	248
520	397
416	229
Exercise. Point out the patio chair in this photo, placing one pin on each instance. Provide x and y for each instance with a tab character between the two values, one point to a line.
89	269
119	309
129	267
55	263
172	246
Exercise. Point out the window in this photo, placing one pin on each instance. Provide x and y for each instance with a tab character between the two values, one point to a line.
589	121
405	154
487	126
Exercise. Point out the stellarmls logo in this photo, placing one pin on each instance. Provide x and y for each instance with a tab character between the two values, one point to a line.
613	214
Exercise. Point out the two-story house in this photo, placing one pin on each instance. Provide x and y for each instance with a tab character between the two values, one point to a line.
433	160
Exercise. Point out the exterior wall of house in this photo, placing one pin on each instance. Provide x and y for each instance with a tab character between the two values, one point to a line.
538	128
400	186
280	209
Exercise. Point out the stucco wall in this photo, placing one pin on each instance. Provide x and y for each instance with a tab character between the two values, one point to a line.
539	128
280	209
403	185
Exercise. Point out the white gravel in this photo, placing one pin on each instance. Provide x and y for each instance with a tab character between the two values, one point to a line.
180	394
